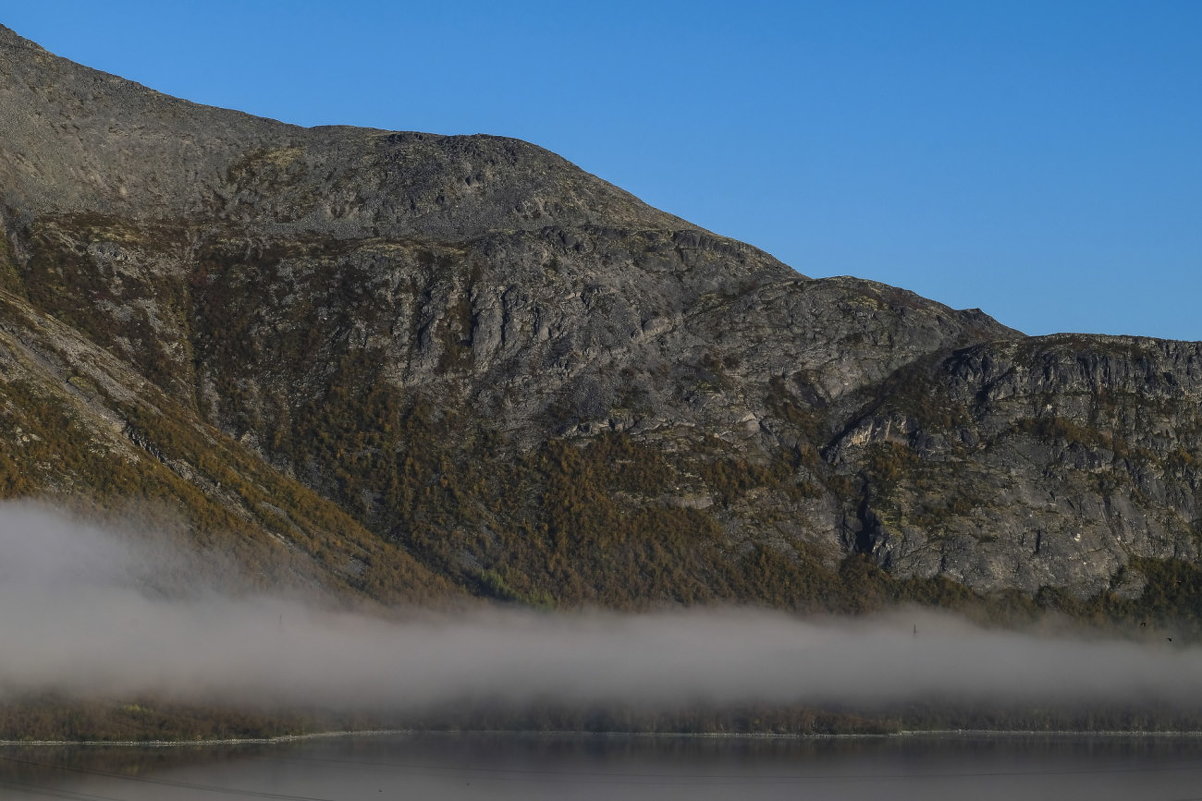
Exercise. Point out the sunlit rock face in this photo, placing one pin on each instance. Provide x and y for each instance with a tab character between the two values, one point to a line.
416	366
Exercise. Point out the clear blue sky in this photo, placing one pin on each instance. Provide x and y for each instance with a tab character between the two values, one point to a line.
1041	160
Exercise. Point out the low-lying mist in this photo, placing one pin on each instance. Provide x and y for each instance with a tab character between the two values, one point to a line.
91	612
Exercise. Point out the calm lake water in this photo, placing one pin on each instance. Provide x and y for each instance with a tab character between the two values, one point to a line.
431	766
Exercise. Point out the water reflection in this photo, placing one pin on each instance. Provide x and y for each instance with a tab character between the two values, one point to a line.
603	767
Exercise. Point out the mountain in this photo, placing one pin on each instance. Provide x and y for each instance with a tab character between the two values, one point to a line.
421	367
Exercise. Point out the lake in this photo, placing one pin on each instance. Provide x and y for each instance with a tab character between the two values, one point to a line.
517	766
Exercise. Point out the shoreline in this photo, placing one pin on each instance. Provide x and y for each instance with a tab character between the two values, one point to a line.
324	735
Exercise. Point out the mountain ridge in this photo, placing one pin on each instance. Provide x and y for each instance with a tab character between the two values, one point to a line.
521	382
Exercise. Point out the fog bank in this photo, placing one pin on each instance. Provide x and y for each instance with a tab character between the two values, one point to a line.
87	611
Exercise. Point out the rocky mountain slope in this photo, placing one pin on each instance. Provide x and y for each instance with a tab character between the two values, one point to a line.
417	366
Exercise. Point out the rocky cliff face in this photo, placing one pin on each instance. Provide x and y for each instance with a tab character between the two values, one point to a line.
429	364
1045	461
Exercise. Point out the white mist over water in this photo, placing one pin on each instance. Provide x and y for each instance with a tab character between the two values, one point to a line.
92	612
